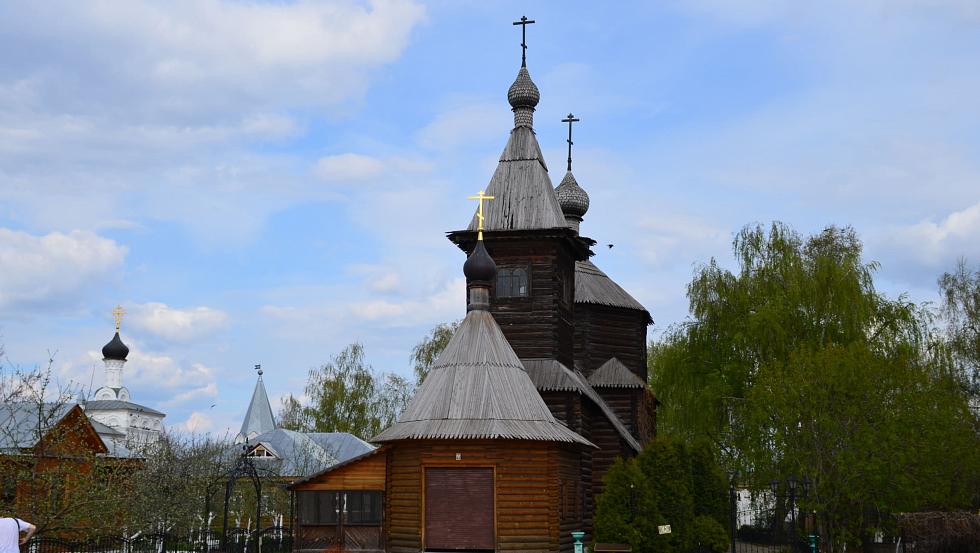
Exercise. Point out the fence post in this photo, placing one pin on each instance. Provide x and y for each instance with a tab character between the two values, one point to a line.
733	502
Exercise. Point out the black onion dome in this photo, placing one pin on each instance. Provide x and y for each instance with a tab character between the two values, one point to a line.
571	197
523	93
479	266
115	349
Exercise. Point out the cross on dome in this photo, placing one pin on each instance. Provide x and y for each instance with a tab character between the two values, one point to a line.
570	119
479	214
524	22
117	314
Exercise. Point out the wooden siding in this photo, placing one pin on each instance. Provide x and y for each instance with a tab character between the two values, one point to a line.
603	332
540	325
528	479
367	473
624	402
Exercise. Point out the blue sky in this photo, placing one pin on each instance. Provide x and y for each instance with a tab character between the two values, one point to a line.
268	182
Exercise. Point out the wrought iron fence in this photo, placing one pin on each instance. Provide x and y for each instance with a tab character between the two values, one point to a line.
275	539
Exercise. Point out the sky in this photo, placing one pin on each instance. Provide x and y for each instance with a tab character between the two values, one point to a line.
267	182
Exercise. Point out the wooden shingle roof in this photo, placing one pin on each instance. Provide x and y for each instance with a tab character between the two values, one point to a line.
593	286
478	389
524	198
614	374
550	375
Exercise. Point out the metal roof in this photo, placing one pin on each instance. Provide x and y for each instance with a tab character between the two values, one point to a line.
23	423
106	404
373	451
478	389
103	430
550	375
303	453
523	195
614	374
595	287
258	418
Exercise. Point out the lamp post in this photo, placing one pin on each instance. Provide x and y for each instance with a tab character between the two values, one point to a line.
791	486
733	506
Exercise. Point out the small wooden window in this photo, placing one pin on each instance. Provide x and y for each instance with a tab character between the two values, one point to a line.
318	507
362	508
513	282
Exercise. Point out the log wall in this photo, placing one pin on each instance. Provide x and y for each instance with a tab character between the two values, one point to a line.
540	325
603	332
529	478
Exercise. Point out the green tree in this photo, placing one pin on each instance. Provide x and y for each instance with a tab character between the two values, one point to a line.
668	483
960	293
796	364
346	395
425	353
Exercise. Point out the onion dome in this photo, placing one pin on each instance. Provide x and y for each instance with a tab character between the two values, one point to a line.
479	267
115	349
523	96
571	197
523	93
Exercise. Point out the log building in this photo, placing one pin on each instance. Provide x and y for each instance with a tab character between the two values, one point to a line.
504	445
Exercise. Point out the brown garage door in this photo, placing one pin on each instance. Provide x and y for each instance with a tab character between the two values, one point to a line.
459	509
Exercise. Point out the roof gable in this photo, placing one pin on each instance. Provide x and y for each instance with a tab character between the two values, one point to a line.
614	374
595	287
478	389
550	375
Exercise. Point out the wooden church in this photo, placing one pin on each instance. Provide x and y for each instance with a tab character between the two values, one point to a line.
505	443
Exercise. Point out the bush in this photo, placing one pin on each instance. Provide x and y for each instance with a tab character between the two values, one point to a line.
709	535
672	484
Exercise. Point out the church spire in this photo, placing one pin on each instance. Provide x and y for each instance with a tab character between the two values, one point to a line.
523	95
574	201
258	418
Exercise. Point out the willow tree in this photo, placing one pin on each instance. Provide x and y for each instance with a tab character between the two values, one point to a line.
796	365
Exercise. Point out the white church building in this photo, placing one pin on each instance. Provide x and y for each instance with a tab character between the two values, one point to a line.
120	422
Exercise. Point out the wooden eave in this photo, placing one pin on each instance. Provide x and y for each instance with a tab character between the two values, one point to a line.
580	246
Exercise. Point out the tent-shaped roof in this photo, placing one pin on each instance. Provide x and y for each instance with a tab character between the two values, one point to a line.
478	389
614	374
258	417
524	198
595	287
550	375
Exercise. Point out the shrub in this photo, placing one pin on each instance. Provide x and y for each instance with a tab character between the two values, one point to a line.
672	484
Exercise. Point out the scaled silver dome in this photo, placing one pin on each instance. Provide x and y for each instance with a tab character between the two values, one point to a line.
523	93
572	198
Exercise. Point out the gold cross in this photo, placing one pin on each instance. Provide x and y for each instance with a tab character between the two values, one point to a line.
479	213
118	313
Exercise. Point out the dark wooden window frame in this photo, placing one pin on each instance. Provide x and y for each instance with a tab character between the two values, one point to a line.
344	515
504	286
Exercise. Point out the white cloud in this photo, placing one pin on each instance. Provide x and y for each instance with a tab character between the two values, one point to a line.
934	245
209	390
154	372
465	125
54	271
156	110
349	167
175	324
197	423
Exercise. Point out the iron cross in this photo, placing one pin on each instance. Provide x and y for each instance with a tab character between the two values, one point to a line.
524	22
570	119
479	214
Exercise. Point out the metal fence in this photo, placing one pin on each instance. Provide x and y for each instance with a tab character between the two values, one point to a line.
268	540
